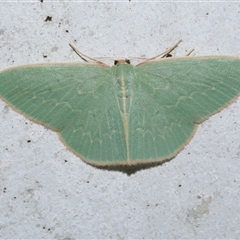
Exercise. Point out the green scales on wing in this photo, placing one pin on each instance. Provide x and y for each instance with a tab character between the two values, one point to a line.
123	114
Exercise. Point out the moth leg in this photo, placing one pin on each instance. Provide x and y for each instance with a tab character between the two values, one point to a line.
188	53
85	57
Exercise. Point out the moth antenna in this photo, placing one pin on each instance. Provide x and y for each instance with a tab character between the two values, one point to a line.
165	53
83	56
169	50
188	53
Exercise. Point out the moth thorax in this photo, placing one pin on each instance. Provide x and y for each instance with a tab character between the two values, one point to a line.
124	92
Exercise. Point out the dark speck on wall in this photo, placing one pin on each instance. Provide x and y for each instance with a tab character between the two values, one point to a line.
48	19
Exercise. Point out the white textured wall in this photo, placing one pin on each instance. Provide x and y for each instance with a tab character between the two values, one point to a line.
47	192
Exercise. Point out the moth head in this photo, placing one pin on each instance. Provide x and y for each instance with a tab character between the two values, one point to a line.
123	60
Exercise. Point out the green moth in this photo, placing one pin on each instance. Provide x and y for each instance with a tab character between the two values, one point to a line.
124	114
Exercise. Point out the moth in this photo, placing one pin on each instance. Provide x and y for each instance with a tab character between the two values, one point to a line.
123	114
